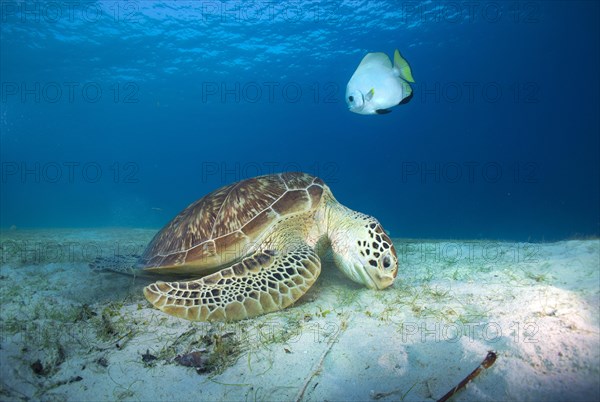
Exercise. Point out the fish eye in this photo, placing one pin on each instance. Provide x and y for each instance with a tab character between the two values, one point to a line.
351	98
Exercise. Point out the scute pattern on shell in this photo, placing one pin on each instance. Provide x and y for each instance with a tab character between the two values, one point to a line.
243	207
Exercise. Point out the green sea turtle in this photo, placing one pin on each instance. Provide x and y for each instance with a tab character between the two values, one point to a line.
256	243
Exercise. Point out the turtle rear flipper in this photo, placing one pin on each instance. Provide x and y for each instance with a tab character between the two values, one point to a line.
264	282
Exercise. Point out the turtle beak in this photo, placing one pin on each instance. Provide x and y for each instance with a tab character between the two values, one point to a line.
375	279
366	276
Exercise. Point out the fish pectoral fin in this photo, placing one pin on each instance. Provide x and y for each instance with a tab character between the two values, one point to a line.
401	65
383	111
370	94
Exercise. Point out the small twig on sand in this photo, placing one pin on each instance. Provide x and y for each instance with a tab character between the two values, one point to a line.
43	390
115	343
319	365
380	395
487	363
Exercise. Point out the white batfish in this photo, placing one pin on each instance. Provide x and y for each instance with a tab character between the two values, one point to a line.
376	85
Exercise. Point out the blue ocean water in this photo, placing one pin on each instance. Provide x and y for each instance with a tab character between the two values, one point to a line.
121	113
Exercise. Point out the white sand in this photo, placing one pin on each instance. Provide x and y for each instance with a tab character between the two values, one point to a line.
536	305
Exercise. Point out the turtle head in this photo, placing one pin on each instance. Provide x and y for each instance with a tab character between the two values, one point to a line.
365	253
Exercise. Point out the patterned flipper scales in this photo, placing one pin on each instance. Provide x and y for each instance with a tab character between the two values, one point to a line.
264	282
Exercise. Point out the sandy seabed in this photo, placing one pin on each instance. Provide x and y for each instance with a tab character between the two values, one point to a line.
69	333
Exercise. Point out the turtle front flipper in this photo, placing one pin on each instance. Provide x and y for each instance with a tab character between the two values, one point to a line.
264	282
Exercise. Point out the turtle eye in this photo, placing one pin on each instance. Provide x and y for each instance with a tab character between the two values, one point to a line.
351	98
386	261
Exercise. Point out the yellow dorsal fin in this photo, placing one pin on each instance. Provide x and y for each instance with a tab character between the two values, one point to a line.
402	66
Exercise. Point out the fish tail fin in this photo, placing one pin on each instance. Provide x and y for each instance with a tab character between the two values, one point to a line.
406	89
401	65
407	93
